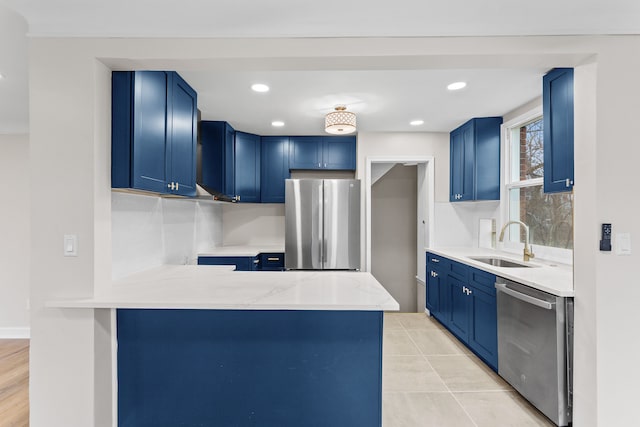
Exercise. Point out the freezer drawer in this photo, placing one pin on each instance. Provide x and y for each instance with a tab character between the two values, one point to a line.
532	347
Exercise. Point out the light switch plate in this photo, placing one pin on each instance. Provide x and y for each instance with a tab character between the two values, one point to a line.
70	245
623	244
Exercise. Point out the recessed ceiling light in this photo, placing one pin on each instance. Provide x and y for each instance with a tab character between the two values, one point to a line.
457	85
1	76
277	124
260	87
416	122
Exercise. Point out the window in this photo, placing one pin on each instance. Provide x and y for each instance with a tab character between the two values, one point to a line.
549	216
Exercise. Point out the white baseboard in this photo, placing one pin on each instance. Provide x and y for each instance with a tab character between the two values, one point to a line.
15	333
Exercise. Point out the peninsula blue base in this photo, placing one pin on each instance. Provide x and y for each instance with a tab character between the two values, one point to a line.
249	368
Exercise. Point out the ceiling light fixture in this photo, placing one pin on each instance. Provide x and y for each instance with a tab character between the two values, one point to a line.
457	85
340	121
1	77
260	87
416	122
277	123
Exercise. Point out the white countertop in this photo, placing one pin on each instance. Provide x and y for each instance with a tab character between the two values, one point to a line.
244	250
551	277
218	287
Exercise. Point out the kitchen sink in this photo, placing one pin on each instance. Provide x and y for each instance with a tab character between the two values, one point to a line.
501	262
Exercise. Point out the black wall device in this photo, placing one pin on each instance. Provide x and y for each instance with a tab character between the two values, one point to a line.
605	242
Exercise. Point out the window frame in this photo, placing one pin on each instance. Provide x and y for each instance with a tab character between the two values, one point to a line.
550	253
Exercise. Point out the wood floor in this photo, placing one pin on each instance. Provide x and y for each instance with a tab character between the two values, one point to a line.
14	383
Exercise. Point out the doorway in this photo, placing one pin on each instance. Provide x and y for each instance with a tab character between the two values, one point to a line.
399	208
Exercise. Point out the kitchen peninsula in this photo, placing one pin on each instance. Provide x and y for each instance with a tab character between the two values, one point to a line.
198	345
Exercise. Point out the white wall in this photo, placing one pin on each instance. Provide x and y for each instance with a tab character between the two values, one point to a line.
69	146
457	224
418	144
149	231
253	224
14	236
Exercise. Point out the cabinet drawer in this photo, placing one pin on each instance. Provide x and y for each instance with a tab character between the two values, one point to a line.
482	280
273	261
436	260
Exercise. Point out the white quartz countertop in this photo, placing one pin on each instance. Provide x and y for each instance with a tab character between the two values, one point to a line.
216	287
554	278
243	250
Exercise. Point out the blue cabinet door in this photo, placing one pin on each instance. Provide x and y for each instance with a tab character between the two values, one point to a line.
305	152
458	308
153	132
182	115
462	154
217	157
483	334
247	167
436	274
274	168
148	168
557	101
475	160
339	153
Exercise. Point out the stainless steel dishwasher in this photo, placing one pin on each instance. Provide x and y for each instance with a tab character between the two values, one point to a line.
535	347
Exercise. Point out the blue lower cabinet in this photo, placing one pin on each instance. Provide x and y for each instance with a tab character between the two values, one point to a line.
458	320
249	368
273	261
483	332
463	299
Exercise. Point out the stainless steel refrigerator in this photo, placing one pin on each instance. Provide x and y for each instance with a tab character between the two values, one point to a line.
322	224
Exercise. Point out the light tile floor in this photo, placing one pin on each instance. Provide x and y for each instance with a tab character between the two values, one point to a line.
431	379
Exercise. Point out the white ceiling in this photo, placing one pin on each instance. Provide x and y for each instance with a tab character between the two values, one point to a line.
385	100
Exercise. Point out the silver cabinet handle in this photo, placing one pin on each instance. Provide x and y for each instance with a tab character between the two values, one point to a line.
436	260
325	165
273	259
177	186
502	287
434	274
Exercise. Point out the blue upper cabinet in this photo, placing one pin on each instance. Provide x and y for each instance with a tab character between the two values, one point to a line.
217	157
274	168
322	152
305	152
153	132
557	100
183	135
230	161
247	167
475	160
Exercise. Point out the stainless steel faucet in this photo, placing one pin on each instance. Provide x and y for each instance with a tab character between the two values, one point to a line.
527	254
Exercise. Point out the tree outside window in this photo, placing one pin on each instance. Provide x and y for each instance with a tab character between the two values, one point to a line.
549	216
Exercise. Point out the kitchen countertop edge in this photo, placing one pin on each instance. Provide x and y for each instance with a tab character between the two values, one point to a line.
215	288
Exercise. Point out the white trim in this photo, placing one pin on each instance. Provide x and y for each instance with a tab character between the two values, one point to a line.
15	333
429	197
